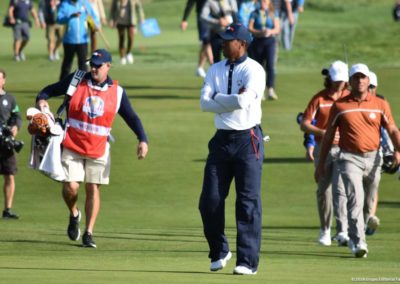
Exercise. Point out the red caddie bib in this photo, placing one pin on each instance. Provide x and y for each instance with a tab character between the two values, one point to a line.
90	116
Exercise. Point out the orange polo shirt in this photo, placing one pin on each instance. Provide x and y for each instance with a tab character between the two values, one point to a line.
318	108
359	122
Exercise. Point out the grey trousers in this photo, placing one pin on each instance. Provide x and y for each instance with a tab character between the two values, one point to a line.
331	195
361	174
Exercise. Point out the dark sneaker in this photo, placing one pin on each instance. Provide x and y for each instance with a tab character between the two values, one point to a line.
73	227
372	225
8	214
87	240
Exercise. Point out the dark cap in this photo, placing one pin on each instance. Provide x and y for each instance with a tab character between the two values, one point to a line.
236	31
100	56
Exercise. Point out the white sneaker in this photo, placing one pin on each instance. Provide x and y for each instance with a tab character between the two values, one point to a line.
57	55
271	94
220	263
243	270
342	239
17	58
361	251
325	237
123	60
200	72
129	58
22	56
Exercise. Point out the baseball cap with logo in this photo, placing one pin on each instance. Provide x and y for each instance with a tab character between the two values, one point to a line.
373	80
339	71
236	31
100	56
359	68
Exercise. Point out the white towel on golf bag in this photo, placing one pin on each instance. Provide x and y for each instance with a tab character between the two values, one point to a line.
51	161
46	151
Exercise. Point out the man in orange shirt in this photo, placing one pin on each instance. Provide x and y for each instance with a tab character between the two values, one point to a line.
358	117
336	82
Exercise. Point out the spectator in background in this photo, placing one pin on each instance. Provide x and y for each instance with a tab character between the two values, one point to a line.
264	25
9	116
290	10
218	14
204	35
277	6
54	31
18	13
74	14
245	9
98	8
124	16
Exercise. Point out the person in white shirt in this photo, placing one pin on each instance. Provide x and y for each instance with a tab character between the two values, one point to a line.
232	90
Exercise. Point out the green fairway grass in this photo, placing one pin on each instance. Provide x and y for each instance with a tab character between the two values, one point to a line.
149	229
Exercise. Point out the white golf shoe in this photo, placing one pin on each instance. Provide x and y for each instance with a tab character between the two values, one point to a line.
243	270
361	251
342	239
325	237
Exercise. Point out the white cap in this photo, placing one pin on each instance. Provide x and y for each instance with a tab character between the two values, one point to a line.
373	80
359	68
339	71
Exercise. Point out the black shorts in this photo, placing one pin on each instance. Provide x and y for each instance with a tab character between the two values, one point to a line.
8	164
122	26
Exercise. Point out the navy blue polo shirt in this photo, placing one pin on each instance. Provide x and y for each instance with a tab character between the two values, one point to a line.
21	9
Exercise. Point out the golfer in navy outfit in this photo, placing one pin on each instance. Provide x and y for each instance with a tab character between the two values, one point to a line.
233	89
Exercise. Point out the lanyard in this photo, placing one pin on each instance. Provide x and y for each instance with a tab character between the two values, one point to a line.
263	15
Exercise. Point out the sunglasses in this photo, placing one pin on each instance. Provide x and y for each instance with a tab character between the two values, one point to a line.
96	66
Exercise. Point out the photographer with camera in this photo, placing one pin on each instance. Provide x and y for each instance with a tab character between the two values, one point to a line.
10	120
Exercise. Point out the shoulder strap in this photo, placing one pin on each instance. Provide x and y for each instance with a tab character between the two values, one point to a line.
78	76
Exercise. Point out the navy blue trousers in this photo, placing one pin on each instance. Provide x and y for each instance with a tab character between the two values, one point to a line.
81	50
263	51
234	155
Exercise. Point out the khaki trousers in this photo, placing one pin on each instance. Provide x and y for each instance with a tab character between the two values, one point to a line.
330	192
361	174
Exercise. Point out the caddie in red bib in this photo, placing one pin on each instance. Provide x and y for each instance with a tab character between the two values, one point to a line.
93	101
90	116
